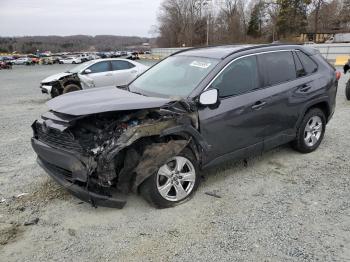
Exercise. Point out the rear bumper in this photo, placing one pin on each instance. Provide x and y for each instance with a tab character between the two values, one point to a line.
70	172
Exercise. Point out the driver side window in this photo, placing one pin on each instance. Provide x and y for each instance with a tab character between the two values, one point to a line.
238	78
100	67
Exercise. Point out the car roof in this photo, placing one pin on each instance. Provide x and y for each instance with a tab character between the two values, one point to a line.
221	52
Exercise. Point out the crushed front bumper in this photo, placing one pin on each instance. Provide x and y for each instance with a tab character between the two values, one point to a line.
46	89
71	173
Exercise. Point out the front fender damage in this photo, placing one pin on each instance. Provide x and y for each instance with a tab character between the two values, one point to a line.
128	157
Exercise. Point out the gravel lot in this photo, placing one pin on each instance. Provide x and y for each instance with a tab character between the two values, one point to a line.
281	206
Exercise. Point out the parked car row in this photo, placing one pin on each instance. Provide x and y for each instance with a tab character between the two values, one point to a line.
128	54
68	58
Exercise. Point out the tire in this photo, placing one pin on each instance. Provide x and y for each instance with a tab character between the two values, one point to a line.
347	90
150	189
311	131
54	93
70	88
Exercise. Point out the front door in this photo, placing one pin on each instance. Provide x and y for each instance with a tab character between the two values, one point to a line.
236	126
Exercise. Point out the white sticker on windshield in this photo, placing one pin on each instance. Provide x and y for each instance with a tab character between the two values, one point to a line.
203	65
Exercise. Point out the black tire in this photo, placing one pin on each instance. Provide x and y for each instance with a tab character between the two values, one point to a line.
70	88
149	190
300	144
54	92
347	90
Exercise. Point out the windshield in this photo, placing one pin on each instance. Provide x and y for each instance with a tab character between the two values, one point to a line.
174	76
80	67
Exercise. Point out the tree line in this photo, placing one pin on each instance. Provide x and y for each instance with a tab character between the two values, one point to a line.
186	22
77	43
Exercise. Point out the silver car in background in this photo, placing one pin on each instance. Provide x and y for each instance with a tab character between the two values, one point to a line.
96	73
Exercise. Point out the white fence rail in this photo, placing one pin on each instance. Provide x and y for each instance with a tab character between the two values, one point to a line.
164	52
329	51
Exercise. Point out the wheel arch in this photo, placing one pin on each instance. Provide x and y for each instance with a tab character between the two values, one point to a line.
322	104
172	141
72	82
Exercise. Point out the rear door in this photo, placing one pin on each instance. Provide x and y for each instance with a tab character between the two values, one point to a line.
123	72
285	80
101	74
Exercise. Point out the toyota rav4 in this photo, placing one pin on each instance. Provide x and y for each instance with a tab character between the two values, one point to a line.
195	109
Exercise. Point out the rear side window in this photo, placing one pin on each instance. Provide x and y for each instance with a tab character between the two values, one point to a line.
309	65
239	77
121	65
277	67
298	66
100	67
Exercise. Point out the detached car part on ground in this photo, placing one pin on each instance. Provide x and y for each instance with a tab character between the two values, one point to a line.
193	110
96	73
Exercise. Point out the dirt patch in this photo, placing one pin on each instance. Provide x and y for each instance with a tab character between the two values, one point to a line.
46	192
8	233
27	206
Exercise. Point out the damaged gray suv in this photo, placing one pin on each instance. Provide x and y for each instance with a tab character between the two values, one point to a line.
195	109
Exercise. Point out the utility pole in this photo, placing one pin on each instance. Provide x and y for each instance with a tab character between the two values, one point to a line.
208	30
206	4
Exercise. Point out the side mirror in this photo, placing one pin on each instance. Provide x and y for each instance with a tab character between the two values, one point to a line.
209	97
87	71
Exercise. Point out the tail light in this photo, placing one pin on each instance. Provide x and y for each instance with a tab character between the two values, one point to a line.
337	75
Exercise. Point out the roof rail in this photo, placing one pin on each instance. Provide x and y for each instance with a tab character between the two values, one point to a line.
259	46
236	51
202	47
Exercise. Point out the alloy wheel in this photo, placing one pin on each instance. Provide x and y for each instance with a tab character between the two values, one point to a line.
176	179
313	131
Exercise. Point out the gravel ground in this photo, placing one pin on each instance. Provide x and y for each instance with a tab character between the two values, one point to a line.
281	206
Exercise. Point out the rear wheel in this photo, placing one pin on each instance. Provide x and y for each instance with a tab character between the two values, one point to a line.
311	131
347	90
70	88
174	183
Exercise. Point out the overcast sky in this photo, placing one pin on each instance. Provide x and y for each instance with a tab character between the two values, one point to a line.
71	17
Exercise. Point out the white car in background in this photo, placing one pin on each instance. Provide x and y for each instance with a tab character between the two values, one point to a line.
70	60
22	61
96	73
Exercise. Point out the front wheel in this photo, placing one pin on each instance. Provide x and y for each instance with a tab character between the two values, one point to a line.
54	92
311	131
70	88
174	183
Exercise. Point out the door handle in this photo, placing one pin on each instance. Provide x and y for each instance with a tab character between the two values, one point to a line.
305	88
258	105
133	71
109	74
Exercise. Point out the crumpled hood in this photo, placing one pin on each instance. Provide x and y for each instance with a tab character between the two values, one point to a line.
55	77
100	100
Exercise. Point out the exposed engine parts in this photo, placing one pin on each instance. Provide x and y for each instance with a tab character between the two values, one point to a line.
119	149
